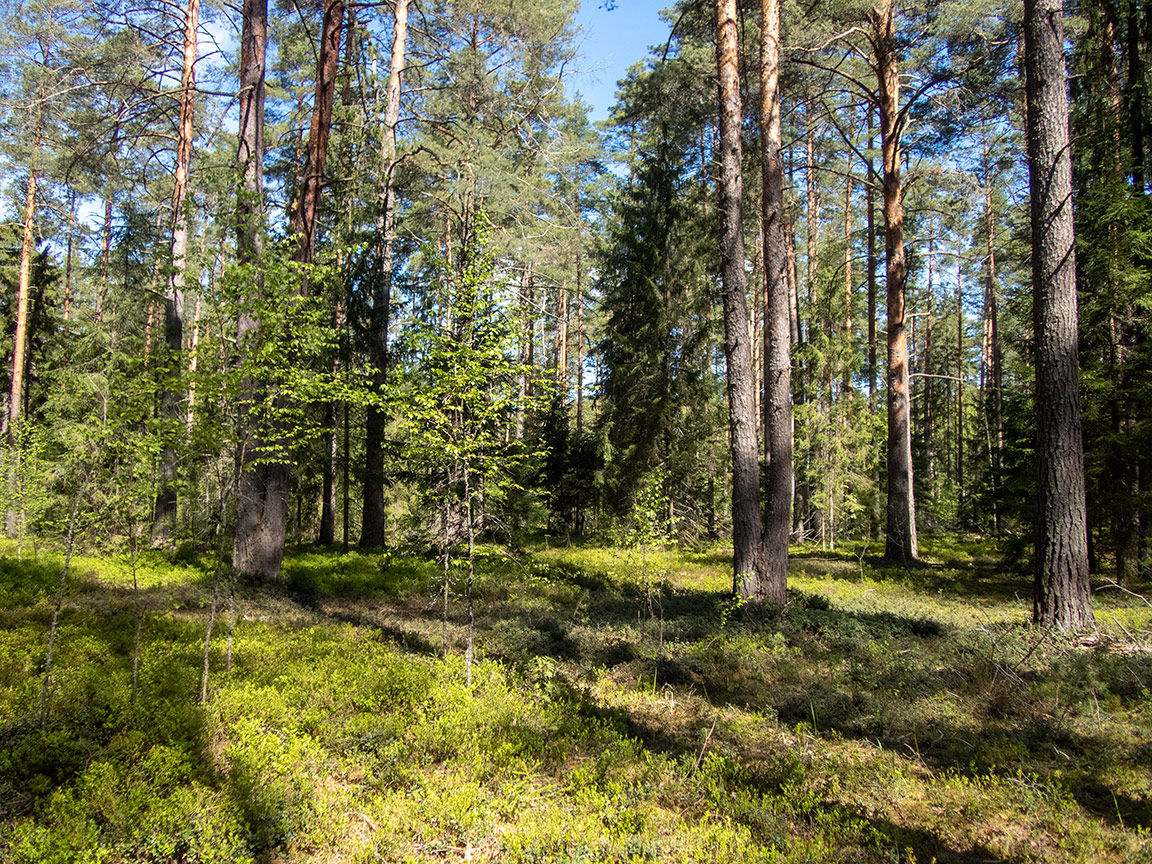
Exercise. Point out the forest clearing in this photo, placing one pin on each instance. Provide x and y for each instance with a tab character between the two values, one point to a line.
624	707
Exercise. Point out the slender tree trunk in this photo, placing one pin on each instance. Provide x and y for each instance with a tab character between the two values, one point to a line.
304	215
849	288
871	269
777	315
193	362
790	274
993	324
164	510
746	518
900	540
959	387
346	464
262	491
373	530
806	515
19	350
305	212
1062	596
24	290
928	365
327	533
579	340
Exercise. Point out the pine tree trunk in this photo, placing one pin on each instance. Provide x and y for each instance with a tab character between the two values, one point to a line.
871	269
326	536
16	396
579	339
900	539
1062	597
959	389
164	513
927	365
374	523
746	519
262	489
849	288
304	214
777	315
993	404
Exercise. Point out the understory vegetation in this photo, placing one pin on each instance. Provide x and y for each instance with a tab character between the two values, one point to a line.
624	707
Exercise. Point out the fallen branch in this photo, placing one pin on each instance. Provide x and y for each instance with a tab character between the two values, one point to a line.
1109	583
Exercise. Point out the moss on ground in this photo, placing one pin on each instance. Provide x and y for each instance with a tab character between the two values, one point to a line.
624	708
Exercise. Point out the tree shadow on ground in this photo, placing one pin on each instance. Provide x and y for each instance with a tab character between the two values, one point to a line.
891	705
969	579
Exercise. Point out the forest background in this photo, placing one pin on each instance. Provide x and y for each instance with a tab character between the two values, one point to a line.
120	165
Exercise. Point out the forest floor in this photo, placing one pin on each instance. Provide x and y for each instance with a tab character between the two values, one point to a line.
623	708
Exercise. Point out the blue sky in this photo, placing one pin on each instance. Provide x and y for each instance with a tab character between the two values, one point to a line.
612	40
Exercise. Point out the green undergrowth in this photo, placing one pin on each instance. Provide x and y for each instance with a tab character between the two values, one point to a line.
624	707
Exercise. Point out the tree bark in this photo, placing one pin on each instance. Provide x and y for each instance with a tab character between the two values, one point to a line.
1062	595
959	387
262	490
746	520
996	409
164	512
24	290
579	335
777	315
900	539
374	522
304	215
871	189
19	350
849	288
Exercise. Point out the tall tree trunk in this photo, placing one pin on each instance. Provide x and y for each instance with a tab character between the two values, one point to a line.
326	536
193	362
579	338
164	512
262	490
19	350
996	408
24	290
900	539
1062	596
746	520
805	515
777	315
373	528
927	365
849	288
959	387
304	215
871	267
